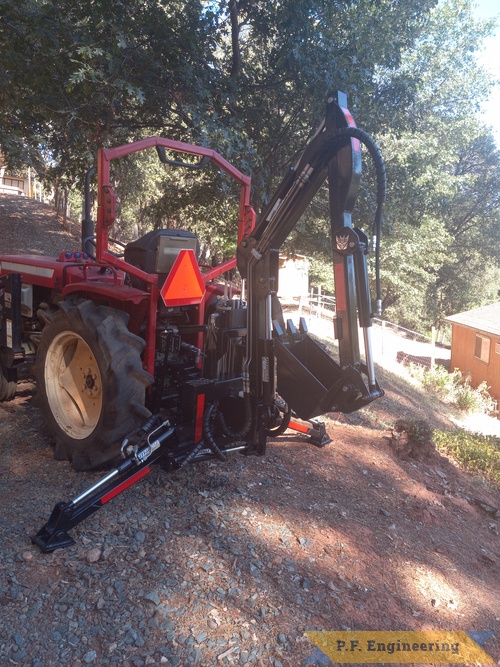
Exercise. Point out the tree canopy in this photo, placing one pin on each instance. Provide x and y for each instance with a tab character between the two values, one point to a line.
250	79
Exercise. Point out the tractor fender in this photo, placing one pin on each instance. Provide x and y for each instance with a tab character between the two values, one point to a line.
116	293
133	301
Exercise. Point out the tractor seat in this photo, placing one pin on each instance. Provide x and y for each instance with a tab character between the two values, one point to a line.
156	252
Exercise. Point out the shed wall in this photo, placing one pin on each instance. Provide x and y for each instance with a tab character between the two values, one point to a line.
462	357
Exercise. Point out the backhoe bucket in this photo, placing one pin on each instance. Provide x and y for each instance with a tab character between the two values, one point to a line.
312	383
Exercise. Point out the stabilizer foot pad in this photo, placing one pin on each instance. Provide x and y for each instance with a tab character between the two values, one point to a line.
53	535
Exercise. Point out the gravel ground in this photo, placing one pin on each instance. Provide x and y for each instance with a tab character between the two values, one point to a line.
195	568
229	564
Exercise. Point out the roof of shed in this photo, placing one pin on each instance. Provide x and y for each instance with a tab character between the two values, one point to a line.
485	319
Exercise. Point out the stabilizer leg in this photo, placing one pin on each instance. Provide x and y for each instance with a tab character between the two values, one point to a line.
314	429
65	516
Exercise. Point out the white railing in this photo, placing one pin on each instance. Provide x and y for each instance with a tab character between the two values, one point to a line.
392	344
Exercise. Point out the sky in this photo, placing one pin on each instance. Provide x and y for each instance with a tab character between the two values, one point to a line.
490	58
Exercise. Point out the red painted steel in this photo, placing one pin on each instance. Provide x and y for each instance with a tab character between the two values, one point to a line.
355	143
125	485
198	420
340	287
301	428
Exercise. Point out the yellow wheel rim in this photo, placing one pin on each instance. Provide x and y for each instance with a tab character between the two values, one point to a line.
73	385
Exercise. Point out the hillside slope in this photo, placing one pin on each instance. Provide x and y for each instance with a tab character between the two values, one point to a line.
31	227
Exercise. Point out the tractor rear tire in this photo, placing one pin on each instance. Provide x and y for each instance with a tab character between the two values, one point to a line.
91	382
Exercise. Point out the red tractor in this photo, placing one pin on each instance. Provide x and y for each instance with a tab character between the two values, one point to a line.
154	357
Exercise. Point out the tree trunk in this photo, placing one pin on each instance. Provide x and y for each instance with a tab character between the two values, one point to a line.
65	209
235	40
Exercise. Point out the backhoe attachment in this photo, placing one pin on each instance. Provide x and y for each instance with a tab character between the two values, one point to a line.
279	358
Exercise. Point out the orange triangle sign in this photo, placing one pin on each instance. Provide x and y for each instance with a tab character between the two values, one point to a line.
184	285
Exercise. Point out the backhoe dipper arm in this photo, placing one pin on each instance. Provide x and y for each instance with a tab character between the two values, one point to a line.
334	153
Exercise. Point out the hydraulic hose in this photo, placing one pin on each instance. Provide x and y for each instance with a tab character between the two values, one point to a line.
245	429
207	432
192	454
207	440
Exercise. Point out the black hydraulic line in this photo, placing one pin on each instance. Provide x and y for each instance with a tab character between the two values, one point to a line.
291	200
309	180
207	432
380	172
247	425
281	427
192	454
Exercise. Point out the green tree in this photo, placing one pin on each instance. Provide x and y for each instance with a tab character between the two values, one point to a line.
443	166
249	78
78	74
